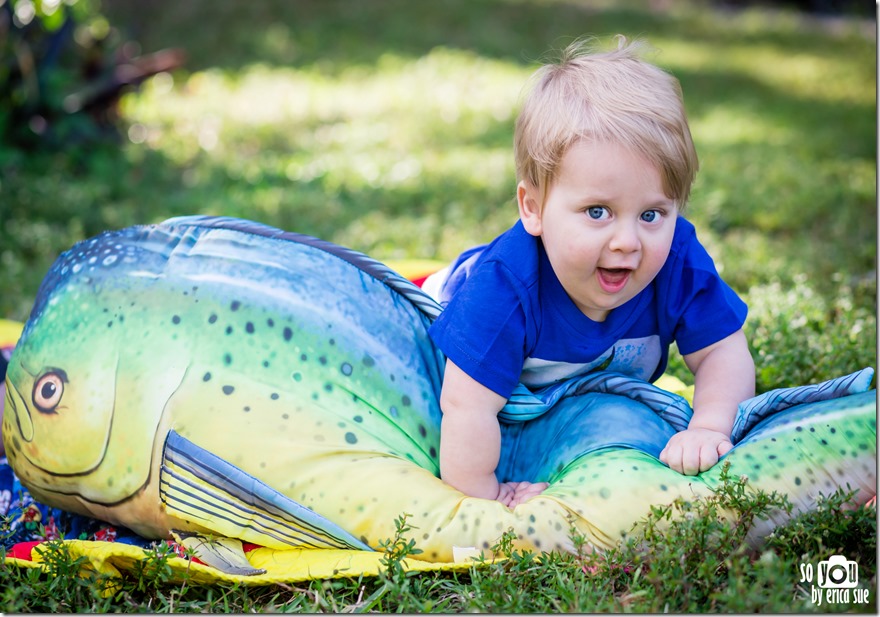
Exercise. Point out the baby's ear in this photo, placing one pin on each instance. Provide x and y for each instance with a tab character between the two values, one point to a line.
529	207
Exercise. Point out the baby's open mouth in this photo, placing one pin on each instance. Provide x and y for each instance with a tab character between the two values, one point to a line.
612	280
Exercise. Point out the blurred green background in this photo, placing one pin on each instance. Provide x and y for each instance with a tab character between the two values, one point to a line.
386	126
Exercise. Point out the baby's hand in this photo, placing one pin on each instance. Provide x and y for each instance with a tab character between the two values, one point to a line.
694	450
514	493
506	491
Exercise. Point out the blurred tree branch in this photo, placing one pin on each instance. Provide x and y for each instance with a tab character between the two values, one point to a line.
63	68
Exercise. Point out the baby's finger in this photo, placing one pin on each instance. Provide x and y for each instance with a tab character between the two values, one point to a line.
708	456
662	456
675	452
671	455
530	491
505	495
691	461
724	447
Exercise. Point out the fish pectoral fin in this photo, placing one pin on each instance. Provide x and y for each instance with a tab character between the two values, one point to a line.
199	487
225	554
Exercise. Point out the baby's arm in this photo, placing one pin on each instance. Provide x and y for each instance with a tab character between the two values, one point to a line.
724	376
470	437
470	440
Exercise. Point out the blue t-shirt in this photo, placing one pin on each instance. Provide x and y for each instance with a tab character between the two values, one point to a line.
507	318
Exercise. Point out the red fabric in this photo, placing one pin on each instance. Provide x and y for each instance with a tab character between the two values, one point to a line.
22	550
180	551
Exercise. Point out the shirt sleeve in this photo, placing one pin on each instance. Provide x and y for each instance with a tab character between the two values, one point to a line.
707	308
482	329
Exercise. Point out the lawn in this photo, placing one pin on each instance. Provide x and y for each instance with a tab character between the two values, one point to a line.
386	126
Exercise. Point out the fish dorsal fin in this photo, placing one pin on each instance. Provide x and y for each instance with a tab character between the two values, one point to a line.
203	489
381	272
225	554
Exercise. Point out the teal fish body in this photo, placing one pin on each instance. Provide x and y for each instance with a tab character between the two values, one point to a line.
230	339
215	375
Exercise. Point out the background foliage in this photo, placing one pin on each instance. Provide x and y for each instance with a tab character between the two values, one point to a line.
387	126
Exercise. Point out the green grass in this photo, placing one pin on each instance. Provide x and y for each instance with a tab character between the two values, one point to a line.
386	126
683	557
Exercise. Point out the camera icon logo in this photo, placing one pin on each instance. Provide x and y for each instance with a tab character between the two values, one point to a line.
838	573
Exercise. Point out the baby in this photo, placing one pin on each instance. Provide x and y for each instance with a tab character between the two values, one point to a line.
601	272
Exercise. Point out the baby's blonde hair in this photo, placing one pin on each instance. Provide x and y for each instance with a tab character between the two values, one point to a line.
611	96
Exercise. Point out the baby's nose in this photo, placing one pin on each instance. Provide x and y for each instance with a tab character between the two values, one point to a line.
625	239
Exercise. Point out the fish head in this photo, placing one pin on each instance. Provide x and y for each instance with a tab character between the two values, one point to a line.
82	408
58	412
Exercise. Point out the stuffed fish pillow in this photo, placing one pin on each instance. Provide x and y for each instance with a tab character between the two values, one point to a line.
218	377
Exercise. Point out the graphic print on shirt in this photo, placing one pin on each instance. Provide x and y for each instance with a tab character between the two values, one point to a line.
638	357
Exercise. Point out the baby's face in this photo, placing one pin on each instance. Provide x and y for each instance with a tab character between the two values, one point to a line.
606	225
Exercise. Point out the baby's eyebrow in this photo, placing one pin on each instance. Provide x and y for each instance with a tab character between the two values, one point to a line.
664	202
594	199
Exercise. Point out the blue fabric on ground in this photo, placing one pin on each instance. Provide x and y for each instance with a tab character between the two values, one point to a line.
25	520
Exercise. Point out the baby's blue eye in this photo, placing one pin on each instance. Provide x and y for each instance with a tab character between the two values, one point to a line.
650	216
596	212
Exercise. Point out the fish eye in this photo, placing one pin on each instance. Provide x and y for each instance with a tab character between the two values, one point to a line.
48	391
